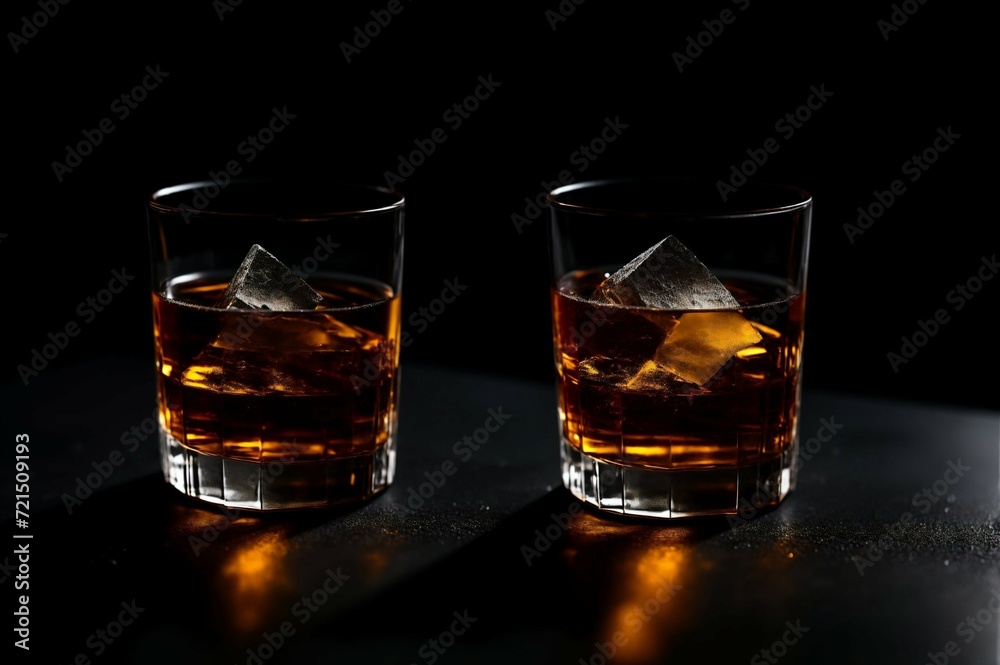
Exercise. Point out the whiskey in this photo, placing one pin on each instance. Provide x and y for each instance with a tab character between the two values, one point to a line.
294	407
705	440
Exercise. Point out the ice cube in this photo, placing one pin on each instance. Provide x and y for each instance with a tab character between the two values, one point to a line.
607	371
232	373
702	342
652	377
666	276
264	282
283	353
316	331
276	351
617	332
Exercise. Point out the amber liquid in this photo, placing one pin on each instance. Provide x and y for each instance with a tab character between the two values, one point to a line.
291	386
744	415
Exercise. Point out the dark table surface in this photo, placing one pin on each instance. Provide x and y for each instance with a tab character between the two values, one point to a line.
836	574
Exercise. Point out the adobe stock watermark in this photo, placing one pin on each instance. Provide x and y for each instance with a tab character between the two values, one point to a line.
212	532
779	648
121	107
914	167
562	12
31	24
22	622
596	318
425	315
786	126
87	310
635	620
969	628
239	331
769	490
420	319
6	570
581	158
266	473
454	116
247	151
85	486
223	7
303	609
924	500
767	316
898	17
696	44
434	648
544	538
463	450
363	34
321	252
958	297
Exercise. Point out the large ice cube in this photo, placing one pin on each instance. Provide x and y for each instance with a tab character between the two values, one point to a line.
666	276
653	376
669	276
702	342
264	282
234	373
282	353
291	333
276	351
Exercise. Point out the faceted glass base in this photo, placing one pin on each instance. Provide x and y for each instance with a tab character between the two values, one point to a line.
276	485
674	493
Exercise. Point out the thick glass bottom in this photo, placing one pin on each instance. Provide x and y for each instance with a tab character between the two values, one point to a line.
276	485
675	493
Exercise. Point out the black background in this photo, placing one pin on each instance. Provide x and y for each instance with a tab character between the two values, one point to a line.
557	87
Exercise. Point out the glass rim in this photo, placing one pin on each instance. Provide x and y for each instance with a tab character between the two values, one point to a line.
554	198
395	199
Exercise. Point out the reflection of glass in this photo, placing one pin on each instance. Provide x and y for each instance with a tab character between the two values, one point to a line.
277	319
643	620
643	580
253	577
678	332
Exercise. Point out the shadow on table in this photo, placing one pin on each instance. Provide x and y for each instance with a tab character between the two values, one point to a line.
552	582
205	574
555	580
